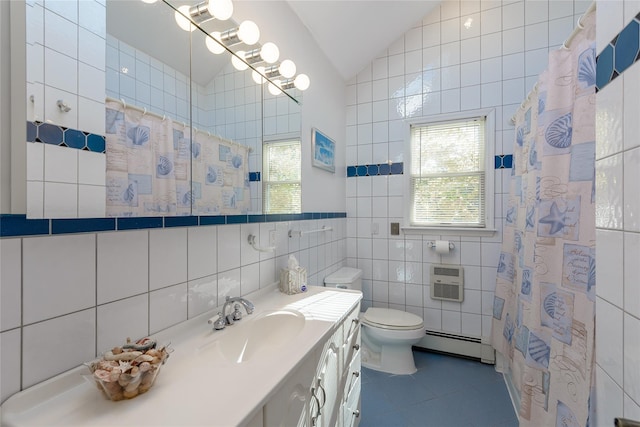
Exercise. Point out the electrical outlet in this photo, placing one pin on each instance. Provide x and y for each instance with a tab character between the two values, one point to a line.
272	238
395	228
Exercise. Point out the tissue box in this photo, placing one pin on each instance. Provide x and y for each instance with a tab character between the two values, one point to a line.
293	281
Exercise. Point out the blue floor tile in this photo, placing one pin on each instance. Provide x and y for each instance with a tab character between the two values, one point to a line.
446	391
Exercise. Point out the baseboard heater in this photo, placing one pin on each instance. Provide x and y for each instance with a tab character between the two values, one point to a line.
478	348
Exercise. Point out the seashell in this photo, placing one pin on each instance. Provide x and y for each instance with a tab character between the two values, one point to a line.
145	366
115	374
116	350
143	388
587	68
236	161
212	175
102	375
154	353
164	166
133	385
125	379
559	132
135	371
107	364
138	135
129	194
143	358
127	355
147	379
195	150
142	344
130	394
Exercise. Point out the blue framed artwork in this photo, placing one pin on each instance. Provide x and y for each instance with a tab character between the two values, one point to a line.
323	149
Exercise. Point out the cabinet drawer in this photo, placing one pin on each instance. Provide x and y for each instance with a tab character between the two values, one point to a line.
351	408
352	374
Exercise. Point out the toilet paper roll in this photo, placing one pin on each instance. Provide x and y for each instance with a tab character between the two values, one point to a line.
442	246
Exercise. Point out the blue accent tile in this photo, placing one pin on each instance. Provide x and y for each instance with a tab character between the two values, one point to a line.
384	169
604	67
212	220
307	215
96	143
627	47
397	168
180	221
272	218
361	170
32	132
373	170
75	139
507	162
317	215
19	225
254	176
136	223
50	134
256	218
498	162
351	171
237	219
82	225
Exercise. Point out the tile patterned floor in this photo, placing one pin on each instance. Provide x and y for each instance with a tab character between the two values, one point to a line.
446	391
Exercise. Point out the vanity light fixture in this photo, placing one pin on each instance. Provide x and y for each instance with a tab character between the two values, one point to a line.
202	12
238	62
287	68
257	74
300	82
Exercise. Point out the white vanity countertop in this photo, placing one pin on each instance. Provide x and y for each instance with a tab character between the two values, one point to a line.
191	389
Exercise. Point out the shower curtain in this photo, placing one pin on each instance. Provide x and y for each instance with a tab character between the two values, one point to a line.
155	169
544	304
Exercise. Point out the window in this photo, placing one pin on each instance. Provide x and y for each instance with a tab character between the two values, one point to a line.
451	183
281	187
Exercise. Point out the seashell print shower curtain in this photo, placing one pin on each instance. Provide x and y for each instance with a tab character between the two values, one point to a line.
544	305
155	169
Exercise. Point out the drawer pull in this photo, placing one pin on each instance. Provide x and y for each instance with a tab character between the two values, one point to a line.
356	374
356	346
356	413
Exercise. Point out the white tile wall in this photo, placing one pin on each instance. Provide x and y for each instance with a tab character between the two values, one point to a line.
617	232
88	292
474	55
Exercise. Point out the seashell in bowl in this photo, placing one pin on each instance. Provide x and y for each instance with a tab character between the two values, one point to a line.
128	376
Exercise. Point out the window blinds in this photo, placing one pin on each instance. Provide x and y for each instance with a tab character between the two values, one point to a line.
448	174
281	177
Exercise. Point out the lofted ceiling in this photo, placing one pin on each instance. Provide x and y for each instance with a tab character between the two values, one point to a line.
352	33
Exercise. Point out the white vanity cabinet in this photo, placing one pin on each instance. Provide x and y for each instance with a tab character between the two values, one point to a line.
324	391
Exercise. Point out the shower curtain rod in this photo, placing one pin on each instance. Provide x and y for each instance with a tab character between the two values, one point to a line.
565	45
163	117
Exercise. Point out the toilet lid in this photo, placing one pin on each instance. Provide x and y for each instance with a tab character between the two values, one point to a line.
391	319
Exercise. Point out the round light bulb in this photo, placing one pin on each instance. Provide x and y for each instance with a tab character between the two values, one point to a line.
256	75
274	88
270	52
212	45
238	61
302	82
249	32
183	22
150	1
220	9
287	68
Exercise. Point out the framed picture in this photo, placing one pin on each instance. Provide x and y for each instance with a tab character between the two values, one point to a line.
323	149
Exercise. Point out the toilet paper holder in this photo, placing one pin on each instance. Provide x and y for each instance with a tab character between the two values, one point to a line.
432	244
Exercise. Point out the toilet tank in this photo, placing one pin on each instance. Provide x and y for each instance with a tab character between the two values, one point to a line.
345	278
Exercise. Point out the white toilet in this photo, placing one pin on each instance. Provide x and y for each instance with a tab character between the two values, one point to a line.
387	334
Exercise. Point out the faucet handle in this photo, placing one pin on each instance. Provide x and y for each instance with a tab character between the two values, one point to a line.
220	322
237	314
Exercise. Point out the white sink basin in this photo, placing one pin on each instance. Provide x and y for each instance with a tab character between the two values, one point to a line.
257	335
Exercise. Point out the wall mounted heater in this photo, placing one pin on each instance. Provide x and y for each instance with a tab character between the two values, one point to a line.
447	282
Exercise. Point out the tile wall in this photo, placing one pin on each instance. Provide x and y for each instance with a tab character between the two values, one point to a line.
82	293
618	212
65	63
464	55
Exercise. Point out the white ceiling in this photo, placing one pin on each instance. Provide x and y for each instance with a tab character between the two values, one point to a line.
352	33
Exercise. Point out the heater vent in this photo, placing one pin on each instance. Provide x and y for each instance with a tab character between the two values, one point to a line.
447	283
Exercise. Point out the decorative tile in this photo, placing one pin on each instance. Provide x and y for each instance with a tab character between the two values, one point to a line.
32	132
254	176
619	54
75	139
96	143
50	134
375	169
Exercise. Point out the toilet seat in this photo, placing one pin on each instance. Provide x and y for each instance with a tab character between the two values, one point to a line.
388	318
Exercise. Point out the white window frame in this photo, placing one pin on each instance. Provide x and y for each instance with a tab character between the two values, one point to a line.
489	198
280	140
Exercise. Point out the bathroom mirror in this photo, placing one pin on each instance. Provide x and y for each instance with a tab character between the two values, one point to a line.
152	64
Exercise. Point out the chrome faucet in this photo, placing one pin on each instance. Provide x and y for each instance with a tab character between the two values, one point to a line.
228	319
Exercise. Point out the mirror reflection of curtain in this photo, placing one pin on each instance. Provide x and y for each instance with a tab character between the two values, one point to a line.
150	172
544	306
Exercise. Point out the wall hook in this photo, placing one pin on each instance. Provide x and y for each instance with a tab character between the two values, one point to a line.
252	241
63	106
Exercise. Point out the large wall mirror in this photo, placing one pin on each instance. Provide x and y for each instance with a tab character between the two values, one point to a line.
141	76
